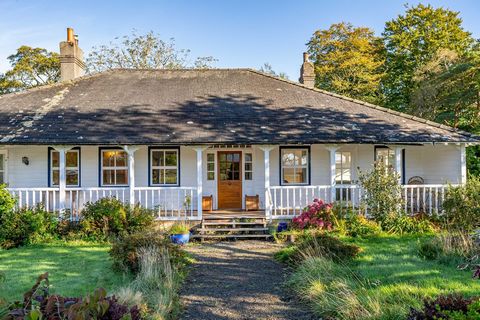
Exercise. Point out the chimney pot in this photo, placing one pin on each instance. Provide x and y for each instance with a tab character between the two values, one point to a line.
307	72
71	58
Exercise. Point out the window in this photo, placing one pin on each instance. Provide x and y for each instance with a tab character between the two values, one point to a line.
210	166
114	168
386	156
294	166
164	167
72	167
3	167
248	166
343	167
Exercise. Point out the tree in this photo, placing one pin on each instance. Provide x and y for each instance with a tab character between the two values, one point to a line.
348	60
146	51
267	68
411	41
31	67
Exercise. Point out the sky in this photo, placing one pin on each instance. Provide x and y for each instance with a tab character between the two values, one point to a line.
239	33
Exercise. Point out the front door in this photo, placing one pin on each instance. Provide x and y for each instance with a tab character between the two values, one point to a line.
229	180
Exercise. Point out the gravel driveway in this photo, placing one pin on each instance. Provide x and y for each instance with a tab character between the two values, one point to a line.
238	280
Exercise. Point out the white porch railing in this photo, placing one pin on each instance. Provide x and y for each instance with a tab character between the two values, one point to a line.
168	202
288	201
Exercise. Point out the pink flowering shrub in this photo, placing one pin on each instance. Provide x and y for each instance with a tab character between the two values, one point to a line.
314	216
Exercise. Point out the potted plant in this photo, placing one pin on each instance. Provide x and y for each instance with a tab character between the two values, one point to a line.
180	233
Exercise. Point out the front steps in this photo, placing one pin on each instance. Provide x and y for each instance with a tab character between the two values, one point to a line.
220	227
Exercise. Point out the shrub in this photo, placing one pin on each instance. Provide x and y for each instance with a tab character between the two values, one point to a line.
109	217
125	250
403	224
462	205
38	303
359	226
452	306
179	228
382	194
26	225
430	250
319	245
314	216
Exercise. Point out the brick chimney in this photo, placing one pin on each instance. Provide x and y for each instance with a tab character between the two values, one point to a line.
307	72
71	58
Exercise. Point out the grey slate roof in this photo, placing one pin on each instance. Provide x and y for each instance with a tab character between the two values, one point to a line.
232	106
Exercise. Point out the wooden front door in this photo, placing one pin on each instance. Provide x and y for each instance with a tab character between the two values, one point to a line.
229	180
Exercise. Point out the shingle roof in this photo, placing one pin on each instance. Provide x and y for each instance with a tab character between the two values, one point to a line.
232	106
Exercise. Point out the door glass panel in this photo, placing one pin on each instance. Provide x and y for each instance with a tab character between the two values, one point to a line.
229	166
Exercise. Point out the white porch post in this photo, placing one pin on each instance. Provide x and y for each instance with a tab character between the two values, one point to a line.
130	150
398	163
463	161
199	150
333	182
62	176
266	162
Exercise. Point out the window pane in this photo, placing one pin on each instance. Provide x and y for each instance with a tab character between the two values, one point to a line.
338	158
71	159
2	159
121	158
211	176
248	157
108	177
2	177
156	176
236	176
248	166
157	158
288	175
248	176
171	176
122	177
288	158
338	174
301	176
108	158
55	177
211	166
210	157
347	159
223	156
304	157
55	160
170	158
72	177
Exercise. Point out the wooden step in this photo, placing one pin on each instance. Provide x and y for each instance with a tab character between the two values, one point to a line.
231	223
220	236
232	229
216	217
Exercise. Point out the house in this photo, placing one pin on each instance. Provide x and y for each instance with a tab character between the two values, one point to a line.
184	141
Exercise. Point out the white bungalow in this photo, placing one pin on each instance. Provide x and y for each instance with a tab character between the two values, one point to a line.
186	141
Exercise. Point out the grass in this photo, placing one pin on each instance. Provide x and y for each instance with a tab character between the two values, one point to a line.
382	283
75	269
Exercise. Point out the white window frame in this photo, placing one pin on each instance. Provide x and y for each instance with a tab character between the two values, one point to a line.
390	153
342	167
165	167
214	166
245	171
307	166
52	168
114	168
5	166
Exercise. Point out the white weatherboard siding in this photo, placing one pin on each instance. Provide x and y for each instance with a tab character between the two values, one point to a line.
437	164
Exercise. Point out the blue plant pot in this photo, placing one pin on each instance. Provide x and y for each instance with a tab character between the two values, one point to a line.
282	226
180	238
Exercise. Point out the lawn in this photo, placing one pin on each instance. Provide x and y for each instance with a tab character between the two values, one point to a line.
75	268
382	283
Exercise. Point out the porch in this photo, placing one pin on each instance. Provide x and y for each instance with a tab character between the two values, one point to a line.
175	181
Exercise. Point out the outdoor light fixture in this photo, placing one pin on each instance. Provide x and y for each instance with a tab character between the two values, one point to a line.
25	161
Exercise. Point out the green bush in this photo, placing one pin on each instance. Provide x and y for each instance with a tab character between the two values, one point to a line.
179	228
318	245
109	217
359	226
462	206
430	250
125	250
404	224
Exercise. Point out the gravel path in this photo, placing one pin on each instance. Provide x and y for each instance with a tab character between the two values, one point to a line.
238	280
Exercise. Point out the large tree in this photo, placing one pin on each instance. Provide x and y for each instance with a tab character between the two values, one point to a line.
348	60
412	40
31	67
147	51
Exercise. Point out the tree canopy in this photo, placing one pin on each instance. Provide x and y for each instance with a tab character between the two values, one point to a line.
147	51
348	60
268	69
31	67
